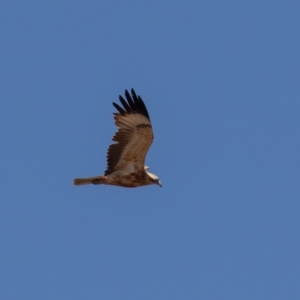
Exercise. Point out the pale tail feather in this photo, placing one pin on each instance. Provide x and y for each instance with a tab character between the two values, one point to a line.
90	180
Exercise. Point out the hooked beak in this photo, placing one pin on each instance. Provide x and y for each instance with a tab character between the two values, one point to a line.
159	183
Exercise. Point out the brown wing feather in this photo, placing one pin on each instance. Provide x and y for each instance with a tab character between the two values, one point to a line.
133	138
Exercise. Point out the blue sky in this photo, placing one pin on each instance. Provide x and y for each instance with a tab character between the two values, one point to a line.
221	83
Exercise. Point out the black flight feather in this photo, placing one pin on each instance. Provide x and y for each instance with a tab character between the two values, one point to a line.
134	104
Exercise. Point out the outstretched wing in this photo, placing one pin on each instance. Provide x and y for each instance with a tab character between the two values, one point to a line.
133	138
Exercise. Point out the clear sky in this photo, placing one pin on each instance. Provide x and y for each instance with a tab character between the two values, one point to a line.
221	80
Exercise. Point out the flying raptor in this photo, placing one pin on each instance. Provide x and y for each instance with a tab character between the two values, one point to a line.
126	157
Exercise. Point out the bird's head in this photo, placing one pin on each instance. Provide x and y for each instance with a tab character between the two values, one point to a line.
153	179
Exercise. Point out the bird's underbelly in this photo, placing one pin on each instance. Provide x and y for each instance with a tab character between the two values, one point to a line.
128	180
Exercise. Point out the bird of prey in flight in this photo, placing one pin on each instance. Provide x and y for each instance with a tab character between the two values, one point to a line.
126	157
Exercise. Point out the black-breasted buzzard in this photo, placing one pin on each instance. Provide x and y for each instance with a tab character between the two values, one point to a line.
126	158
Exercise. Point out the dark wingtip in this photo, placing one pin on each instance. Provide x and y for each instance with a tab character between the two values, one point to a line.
134	104
140	104
119	108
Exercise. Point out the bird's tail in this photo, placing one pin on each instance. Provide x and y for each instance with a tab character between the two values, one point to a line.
90	180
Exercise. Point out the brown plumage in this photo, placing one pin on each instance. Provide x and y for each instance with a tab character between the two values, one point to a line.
126	157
